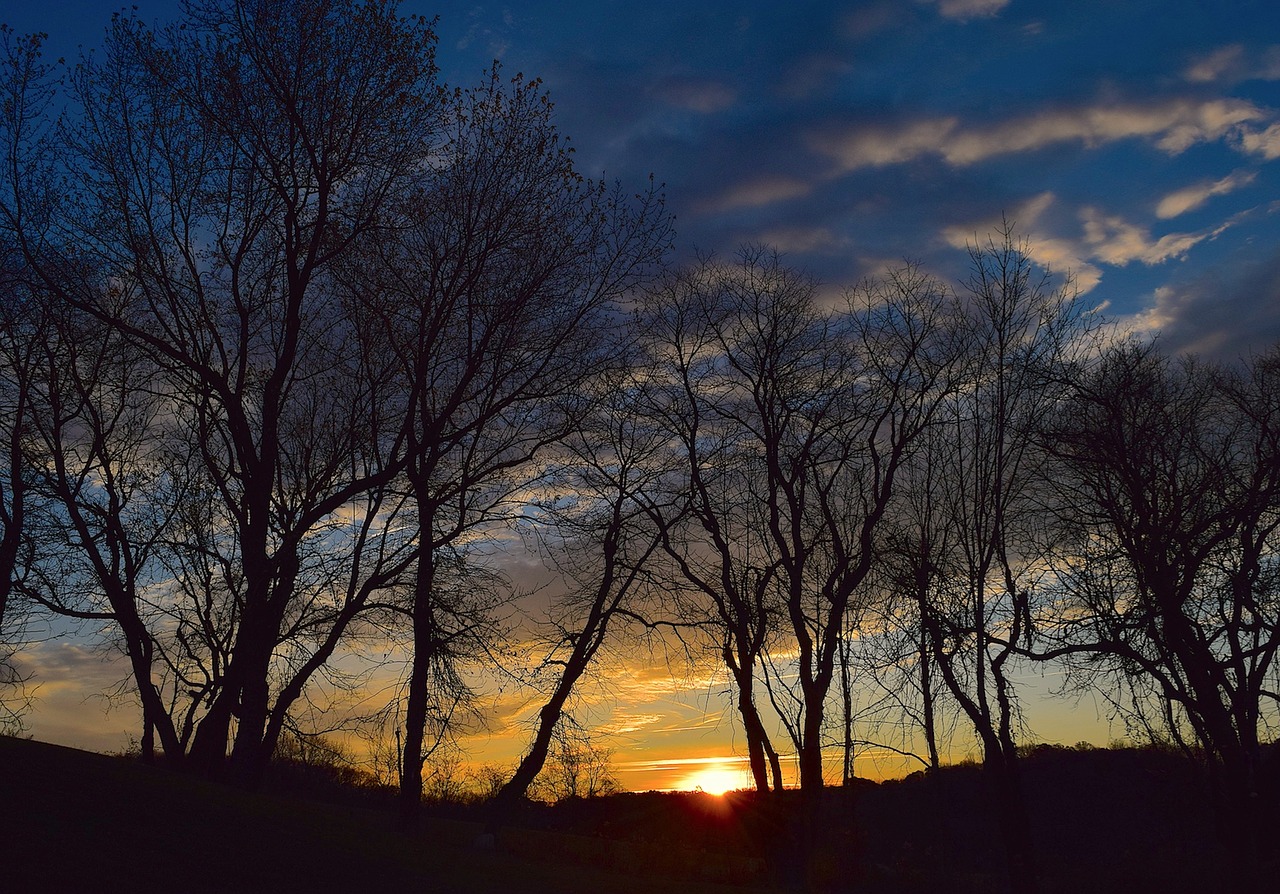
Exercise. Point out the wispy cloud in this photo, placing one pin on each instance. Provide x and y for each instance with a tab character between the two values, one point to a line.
804	240
811	75
873	146
679	762
865	21
1172	125
694	95
1223	312
1113	240
755	193
1212	66
481	31
627	722
1192	197
1233	63
1103	238
1265	143
1062	255
969	9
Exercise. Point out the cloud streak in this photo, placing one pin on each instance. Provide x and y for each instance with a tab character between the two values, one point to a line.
1115	241
1173	126
1263	143
1192	197
755	193
1102	239
1233	63
970	9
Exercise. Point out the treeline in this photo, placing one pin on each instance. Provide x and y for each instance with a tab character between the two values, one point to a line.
292	331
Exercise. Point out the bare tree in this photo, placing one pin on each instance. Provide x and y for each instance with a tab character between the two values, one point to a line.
348	429
1171	475
26	96
223	165
979	538
19	340
795	422
895	651
96	549
576	766
716	549
604	527
497	297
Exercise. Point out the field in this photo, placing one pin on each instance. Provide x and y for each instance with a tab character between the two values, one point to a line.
1105	821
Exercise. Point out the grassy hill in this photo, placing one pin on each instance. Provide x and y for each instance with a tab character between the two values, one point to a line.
77	821
1123	820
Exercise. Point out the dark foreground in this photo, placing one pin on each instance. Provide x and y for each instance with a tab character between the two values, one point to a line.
76	821
1105	821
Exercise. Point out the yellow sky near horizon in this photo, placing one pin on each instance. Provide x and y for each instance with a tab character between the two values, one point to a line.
662	729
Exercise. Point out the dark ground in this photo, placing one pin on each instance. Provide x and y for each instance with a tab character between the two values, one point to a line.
1105	821
80	822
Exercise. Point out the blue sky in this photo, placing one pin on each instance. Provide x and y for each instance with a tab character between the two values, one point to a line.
1136	144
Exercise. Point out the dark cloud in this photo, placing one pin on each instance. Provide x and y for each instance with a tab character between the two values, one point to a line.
856	136
1226	313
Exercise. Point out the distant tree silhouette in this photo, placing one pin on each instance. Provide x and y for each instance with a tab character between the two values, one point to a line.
896	650
576	767
713	541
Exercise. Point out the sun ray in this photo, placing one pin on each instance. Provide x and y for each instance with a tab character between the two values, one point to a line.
716	779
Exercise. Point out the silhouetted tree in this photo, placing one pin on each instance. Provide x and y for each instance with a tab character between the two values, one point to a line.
221	166
715	548
576	767
95	551
494	286
897	651
902	350
975	532
19	343
1171	476
603	530
794	422
27	92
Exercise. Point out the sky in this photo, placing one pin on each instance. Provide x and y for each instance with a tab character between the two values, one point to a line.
1135	145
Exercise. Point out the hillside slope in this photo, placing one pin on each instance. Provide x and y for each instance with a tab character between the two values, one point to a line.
77	821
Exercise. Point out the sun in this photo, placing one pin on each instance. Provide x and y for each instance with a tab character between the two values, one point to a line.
715	779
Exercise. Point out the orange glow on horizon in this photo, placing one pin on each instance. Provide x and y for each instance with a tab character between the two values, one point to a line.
716	779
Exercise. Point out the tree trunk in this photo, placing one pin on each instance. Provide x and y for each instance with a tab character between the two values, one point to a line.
811	777
755	739
424	646
211	743
846	702
775	765
1011	816
415	730
926	701
760	753
532	763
